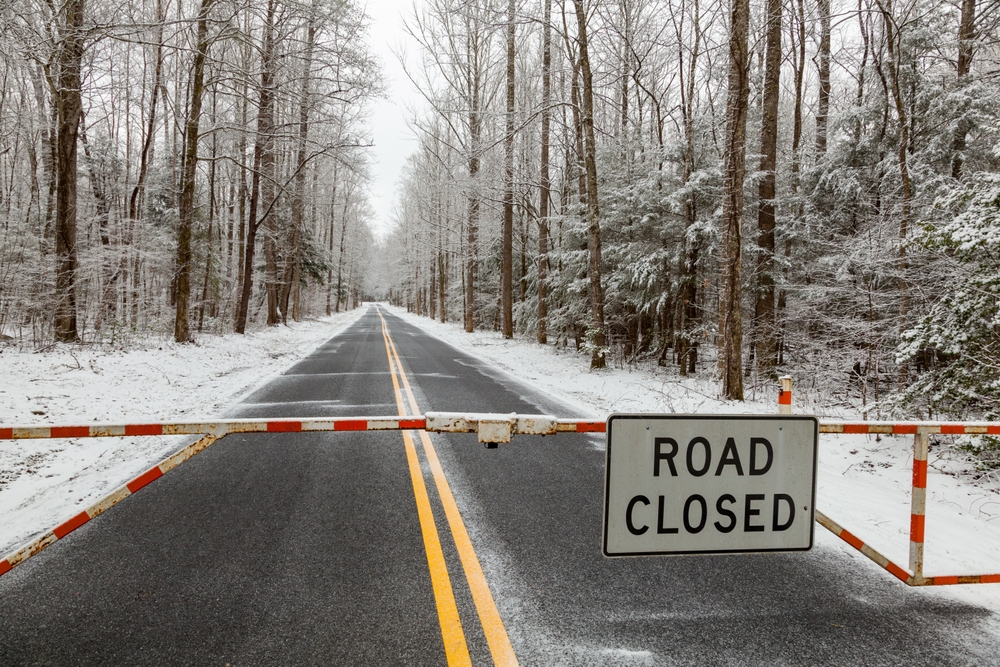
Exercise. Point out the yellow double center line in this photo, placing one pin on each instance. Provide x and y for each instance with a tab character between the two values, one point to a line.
456	648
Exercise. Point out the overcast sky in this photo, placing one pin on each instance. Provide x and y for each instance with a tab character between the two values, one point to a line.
393	139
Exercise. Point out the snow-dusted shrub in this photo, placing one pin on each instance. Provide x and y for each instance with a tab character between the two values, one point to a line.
958	342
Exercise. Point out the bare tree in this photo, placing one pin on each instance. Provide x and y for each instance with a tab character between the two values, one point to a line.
687	343
597	332
544	183
895	66
507	236
262	182
182	332
68	104
734	156
764	325
823	59
966	50
293	275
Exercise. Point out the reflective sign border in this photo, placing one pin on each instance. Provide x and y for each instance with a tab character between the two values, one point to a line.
607	482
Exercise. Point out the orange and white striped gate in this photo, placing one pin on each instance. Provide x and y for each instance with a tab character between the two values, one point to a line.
493	429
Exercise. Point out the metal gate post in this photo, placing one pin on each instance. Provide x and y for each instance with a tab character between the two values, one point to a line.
918	505
785	395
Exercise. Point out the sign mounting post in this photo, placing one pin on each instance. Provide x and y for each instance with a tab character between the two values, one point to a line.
700	484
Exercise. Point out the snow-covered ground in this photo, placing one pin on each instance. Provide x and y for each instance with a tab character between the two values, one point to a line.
44	482
863	481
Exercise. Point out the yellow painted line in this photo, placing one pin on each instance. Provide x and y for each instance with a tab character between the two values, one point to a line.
455	648
489	616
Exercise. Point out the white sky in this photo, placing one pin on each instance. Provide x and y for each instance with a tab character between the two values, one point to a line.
393	139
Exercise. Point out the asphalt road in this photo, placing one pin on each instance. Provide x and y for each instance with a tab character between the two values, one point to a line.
306	549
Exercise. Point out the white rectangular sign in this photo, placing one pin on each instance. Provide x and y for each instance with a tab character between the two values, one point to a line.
686	484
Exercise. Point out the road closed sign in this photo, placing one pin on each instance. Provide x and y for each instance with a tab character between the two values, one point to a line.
683	484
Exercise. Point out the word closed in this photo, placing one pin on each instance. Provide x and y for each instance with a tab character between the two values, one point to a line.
684	484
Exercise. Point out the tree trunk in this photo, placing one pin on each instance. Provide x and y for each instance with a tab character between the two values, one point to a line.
268	167
966	37
431	284
69	105
823	57
442	284
343	242
298	197
799	68
473	220
211	216
263	161
242	233
765	331
730	305
207	277
544	185
578	167
507	234
48	136
895	65
798	65
185	212
329	241
687	343
99	187
597	333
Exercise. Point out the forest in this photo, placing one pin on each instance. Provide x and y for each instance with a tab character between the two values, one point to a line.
181	166
729	189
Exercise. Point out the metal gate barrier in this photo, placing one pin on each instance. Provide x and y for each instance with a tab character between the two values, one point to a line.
920	430
493	429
